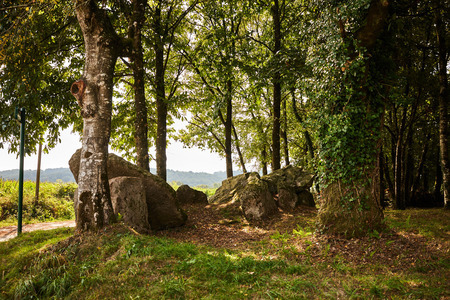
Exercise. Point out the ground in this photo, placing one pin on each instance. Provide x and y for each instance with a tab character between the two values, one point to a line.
212	226
400	249
10	232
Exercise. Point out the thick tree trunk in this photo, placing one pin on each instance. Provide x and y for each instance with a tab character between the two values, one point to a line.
94	95
443	103
161	105
276	81
353	208
137	62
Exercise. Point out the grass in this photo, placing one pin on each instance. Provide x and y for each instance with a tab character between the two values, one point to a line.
116	263
55	202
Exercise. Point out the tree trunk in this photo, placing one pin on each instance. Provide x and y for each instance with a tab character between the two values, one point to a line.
38	180
399	202
38	175
443	103
238	149
94	94
438	182
416	182
264	161
387	177
137	63
276	81
161	105
228	130
308	138
353	208
284	133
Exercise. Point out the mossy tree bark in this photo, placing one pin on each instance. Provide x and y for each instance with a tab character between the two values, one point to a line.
350	203
94	95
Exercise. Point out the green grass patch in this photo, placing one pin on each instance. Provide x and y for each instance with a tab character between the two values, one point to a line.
432	222
116	263
55	202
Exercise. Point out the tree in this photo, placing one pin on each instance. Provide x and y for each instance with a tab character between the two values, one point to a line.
137	63
441	30
350	109
94	96
39	54
213	60
166	19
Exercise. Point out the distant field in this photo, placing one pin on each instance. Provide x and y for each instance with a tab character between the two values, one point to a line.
210	180
55	201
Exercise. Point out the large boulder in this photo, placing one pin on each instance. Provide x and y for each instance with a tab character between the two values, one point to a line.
129	200
225	193
291	187
287	199
188	195
258	197
290	177
256	200
162	207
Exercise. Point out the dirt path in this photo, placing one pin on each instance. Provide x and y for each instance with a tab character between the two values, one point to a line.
10	232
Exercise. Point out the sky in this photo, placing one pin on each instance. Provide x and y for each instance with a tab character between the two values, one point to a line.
178	158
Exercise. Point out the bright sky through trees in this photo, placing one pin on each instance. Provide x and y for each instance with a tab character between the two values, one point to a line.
179	158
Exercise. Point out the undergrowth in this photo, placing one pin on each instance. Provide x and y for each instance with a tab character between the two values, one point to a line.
116	263
55	202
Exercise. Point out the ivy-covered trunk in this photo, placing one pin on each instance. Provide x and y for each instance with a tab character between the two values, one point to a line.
94	95
350	129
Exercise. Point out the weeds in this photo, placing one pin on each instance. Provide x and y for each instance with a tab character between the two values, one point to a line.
55	202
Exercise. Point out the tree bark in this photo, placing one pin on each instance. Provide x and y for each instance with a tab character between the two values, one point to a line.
415	185
285	136
161	105
228	129
443	102
137	63
263	161
94	94
308	138
276	82
38	175
238	149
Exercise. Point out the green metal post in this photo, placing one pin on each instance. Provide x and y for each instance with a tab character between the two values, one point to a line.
21	119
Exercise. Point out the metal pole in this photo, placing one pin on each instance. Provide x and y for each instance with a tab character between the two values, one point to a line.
22	144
